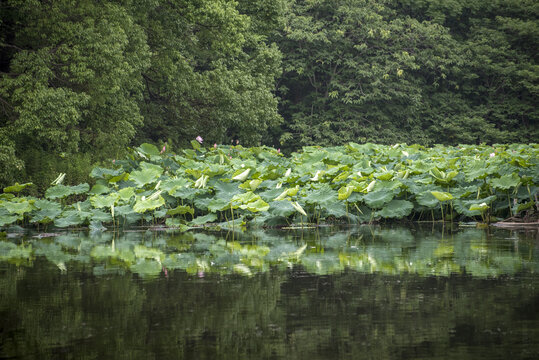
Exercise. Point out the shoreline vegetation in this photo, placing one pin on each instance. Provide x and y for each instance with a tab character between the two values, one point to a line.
233	187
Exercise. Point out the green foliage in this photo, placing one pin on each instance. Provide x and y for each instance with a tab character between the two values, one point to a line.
356	183
408	71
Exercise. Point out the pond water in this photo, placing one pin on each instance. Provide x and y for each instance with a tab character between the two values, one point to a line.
356	293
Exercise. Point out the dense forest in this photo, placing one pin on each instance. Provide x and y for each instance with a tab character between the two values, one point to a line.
82	80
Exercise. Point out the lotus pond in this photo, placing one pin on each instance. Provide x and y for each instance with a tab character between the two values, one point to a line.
231	186
361	292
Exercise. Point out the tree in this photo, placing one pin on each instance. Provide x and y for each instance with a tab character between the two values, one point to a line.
70	80
211	73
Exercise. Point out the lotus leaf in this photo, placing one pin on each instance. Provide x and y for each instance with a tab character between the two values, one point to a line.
241	175
201	220
442	196
427	199
99	189
8	219
16	188
61	191
148	150
396	209
181	210
19	208
142	205
100	201
505	182
145	176
378	199
256	206
281	208
345	192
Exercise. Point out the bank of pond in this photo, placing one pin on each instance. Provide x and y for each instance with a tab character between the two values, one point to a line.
229	187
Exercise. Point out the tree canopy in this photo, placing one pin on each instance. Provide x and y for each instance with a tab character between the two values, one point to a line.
81	80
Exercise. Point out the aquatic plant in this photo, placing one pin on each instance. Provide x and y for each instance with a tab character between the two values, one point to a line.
232	186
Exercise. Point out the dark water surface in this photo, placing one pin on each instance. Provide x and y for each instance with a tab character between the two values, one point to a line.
360	293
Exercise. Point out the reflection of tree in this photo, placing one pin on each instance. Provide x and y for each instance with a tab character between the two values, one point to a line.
282	313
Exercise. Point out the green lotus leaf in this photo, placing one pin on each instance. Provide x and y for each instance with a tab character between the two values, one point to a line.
171	185
100	215
100	201
479	207
16	188
245	198
146	204
99	189
281	208
8	219
426	199
61	191
251	185
442	196
126	193
123	210
321	195
524	206
176	223
241	175
256	206
147	268
396	209
103	173
336	209
145	176
218	204
505	182
201	220
378	199
148	149
345	192
48	211
70	218
18	208
182	209
385	176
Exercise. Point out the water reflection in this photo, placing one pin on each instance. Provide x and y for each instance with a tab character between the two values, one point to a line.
349	294
366	249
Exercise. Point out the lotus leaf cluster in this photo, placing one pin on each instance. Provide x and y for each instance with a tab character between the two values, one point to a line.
232	186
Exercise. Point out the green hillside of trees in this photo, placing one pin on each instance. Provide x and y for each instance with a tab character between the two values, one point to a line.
82	80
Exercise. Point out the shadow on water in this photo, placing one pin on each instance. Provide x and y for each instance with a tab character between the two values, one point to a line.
362	292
